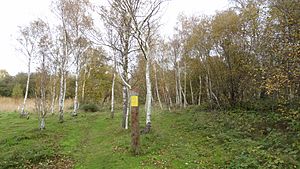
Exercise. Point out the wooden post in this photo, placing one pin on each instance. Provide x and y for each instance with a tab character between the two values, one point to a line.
135	129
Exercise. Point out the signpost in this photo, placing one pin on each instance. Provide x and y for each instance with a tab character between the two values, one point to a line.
135	129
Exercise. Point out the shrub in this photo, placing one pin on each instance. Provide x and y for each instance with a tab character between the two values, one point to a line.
89	107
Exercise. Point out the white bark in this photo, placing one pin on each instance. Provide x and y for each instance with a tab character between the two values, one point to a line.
42	123
176	88
179	85
87	73
83	85
113	95
192	93
53	92
53	97
126	87
124	81
184	99
125	107
63	77
207	89
127	113
42	99
43	102
61	97
65	89
216	98
78	62
112	110
213	94
156	87
76	104
149	92
200	90
185	88
169	99
27	88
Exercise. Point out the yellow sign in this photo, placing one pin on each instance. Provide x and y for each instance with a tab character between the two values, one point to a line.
134	101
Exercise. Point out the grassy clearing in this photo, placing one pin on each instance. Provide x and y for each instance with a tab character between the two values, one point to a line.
181	139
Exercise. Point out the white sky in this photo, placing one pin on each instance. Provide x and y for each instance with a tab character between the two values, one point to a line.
14	13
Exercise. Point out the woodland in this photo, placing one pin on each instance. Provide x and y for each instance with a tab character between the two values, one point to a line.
223	91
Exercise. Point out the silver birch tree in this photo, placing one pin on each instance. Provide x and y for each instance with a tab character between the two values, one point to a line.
144	24
61	10
28	41
118	38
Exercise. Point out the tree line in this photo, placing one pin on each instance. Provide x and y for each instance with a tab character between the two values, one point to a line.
247	56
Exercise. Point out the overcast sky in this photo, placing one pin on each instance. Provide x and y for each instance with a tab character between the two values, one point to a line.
14	13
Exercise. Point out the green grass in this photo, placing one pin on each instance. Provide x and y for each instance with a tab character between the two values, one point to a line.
180	139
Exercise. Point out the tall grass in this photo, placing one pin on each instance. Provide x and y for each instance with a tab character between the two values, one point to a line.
9	104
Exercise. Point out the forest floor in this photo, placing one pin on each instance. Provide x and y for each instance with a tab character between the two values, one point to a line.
179	139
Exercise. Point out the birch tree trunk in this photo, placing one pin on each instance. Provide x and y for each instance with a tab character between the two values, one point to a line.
169	99
61	97
76	104
53	101
112	111
125	88
63	73
207	90
185	88
128	110
42	125
149	93
87	73
165	97
23	113
156	87
125	105
184	99
192	93
53	93
179	86
43	102
65	89
200	90
213	94
176	88
83	85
